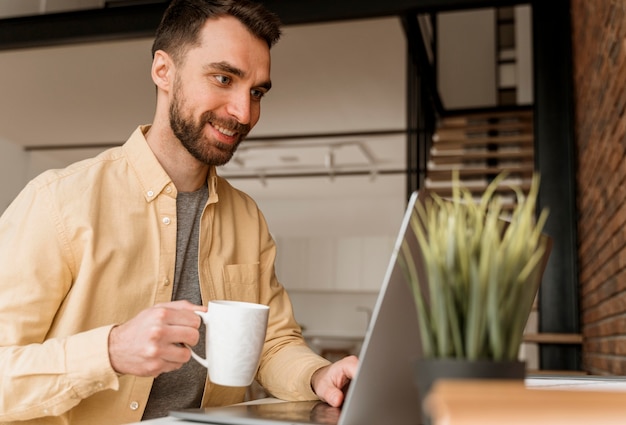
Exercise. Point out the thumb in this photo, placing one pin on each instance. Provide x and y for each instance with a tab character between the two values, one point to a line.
334	397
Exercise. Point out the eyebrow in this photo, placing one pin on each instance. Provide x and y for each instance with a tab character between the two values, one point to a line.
230	69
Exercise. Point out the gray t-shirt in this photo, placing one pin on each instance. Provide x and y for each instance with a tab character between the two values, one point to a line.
183	388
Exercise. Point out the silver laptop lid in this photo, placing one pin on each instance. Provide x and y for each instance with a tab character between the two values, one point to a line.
384	389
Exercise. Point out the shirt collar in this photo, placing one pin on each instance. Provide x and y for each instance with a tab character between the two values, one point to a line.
152	177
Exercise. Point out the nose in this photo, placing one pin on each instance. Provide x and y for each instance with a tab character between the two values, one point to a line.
238	106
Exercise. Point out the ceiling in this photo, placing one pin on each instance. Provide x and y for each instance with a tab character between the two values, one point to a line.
21	8
17	8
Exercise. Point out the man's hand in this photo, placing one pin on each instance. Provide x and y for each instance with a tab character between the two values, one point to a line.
151	342
330	382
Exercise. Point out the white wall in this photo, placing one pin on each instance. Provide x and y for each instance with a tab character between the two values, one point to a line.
466	68
467	58
38	161
523	39
336	77
12	175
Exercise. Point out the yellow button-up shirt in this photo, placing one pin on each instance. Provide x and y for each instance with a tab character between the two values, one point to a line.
90	246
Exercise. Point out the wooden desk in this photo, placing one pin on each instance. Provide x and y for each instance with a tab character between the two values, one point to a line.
542	401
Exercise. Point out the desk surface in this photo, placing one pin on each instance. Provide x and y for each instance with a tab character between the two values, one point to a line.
582	383
542	401
171	420
164	421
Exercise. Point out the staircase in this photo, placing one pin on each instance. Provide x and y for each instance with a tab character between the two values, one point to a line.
480	146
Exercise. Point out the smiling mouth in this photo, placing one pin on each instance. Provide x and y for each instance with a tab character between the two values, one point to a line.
224	131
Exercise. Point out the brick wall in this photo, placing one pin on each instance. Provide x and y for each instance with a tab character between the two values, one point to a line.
599	56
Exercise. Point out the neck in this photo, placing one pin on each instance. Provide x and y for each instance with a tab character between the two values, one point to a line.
187	173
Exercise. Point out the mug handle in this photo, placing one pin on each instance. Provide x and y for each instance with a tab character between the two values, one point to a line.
202	361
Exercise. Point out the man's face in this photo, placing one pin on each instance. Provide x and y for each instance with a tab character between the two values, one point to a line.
217	90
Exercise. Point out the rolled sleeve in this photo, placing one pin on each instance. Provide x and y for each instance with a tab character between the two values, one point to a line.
88	364
50	378
287	374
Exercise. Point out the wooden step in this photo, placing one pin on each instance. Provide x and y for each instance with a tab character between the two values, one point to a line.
442	142
439	158
553	338
467	172
444	189
467	119
522	127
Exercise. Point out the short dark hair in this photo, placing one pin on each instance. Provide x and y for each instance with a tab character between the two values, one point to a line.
183	19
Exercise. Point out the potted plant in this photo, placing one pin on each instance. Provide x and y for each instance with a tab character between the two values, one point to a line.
474	280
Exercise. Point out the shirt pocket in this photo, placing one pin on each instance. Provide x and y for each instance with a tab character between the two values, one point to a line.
241	282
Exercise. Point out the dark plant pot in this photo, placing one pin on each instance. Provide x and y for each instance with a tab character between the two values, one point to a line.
429	370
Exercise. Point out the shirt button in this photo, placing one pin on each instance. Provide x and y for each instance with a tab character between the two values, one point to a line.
168	189
150	193
134	405
99	385
166	282
166	220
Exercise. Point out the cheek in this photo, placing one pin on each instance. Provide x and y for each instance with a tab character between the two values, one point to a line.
203	98
255	113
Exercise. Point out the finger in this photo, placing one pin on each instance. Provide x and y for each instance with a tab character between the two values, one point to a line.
168	363
185	335
175	334
176	355
349	366
168	316
166	355
181	305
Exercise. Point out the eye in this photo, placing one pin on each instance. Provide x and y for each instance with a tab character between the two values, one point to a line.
257	94
223	79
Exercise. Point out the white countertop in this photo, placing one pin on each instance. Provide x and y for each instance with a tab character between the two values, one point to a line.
584	382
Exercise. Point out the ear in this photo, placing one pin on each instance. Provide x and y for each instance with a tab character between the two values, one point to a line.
162	70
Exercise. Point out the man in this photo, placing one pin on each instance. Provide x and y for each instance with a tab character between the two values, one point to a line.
103	263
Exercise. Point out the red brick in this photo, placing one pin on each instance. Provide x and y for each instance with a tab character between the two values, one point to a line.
599	51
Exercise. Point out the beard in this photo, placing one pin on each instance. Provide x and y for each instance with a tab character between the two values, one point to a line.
191	134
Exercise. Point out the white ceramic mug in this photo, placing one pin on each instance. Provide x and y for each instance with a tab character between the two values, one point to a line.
235	334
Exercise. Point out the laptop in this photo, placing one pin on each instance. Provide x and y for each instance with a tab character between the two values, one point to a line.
384	389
